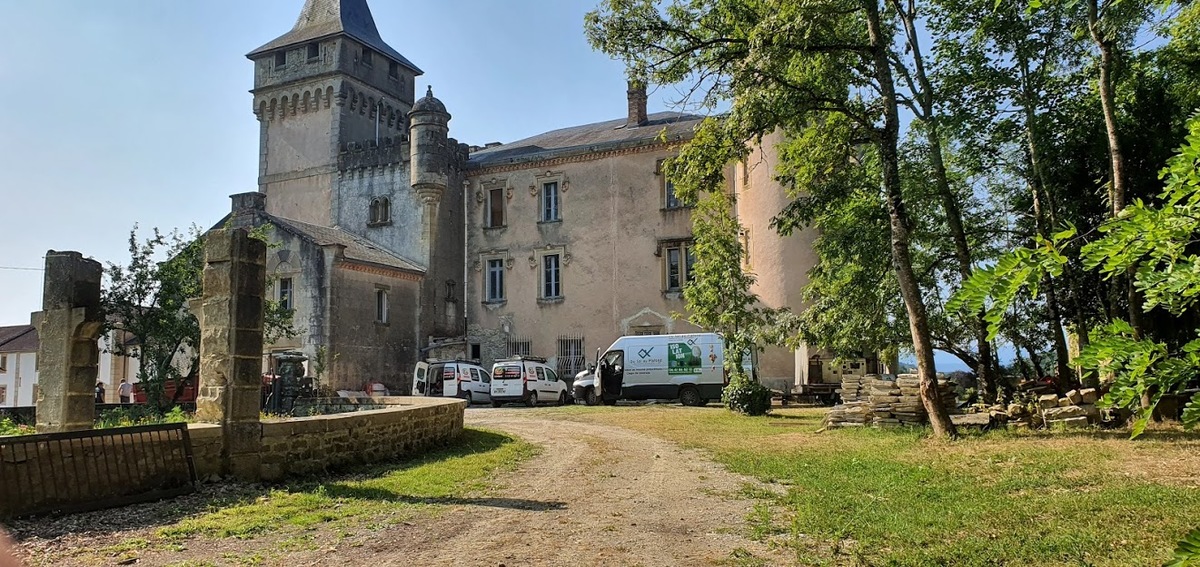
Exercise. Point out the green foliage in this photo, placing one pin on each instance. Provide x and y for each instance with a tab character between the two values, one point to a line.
10	427
1187	553
146	301
994	289
746	396
139	414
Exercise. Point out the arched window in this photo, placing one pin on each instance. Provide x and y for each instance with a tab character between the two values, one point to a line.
381	211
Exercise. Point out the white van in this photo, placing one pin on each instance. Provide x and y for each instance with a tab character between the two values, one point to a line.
452	379
526	379
689	368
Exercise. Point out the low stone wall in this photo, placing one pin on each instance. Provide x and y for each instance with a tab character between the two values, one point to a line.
303	445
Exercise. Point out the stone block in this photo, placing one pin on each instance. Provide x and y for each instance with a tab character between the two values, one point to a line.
1048	401
1070	422
1075	397
1089	396
1064	402
1064	413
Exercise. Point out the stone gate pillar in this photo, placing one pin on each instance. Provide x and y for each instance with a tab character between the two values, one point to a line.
68	354
231	346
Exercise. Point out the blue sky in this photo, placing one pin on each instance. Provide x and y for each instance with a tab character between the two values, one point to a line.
123	112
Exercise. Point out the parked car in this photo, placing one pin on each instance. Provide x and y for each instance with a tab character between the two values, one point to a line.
527	379
452	379
686	367
584	387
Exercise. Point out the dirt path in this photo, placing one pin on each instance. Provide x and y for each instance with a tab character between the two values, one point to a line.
598	495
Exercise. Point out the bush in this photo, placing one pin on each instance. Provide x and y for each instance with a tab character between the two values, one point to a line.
10	427
746	396
139	414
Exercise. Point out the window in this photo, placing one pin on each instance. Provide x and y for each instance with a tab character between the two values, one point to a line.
519	348
3	395
314	51
495	208
3	363
366	57
280	58
570	356
475	351
381	306
541	373
487	378
285	293
670	200
550	202
393	70
648	330
381	211
551	276
678	261
495	280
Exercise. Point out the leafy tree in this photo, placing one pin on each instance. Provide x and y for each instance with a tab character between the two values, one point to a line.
785	65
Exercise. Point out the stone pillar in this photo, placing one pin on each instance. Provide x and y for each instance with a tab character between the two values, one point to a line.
231	345
68	354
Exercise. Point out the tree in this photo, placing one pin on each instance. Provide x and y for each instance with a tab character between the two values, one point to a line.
147	301
784	65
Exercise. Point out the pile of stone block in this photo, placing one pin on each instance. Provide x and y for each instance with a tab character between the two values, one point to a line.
854	388
1075	409
885	402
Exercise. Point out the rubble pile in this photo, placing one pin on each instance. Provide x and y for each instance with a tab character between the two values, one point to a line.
1076	408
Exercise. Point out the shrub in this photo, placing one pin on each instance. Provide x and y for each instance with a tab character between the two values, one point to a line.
10	427
746	396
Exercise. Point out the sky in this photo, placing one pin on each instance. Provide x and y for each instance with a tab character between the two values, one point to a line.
137	112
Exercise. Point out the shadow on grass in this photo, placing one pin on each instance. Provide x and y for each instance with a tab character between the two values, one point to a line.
385	495
213	497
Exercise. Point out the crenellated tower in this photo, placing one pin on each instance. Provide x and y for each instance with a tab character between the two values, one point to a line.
329	84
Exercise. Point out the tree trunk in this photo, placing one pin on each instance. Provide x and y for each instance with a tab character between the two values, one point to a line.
1022	367
950	206
1035	360
910	289
1037	189
1116	156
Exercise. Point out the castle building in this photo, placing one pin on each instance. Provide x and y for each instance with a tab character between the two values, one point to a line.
392	242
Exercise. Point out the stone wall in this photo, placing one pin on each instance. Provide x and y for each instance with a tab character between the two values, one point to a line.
316	444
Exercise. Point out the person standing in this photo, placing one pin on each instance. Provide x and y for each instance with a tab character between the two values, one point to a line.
99	392
125	391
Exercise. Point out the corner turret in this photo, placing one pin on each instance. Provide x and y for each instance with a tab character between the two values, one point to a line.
428	127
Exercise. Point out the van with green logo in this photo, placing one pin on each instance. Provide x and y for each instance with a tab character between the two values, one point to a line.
689	368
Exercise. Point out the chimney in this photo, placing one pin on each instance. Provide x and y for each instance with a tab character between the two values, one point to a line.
637	104
247	209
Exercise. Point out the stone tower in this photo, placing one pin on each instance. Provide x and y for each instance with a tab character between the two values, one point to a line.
329	84
429	126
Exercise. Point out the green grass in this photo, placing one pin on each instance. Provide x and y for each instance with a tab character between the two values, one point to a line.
381	495
896	497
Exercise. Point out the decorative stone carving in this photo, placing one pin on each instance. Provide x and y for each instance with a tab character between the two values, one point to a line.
478	266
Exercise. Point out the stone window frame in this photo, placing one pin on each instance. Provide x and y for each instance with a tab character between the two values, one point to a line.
366	56
310	48
666	190
482	265
484	195
281	59
687	259
3	363
380	211
4	395
382	304
393	70
540	181
537	261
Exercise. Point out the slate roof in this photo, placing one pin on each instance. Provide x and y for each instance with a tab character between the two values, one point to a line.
19	338
356	247
324	18
589	138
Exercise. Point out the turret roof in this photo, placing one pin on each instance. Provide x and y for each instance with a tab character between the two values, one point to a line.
324	18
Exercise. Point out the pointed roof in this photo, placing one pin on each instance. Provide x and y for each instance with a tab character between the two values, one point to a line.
324	18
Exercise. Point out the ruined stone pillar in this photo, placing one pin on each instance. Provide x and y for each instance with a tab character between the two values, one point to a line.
68	354
231	345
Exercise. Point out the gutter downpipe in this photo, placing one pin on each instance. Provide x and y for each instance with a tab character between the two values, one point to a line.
466	262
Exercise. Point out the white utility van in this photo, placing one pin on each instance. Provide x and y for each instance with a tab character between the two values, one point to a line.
527	379
689	368
452	379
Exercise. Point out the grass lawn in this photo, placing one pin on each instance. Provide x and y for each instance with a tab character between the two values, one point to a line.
896	497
